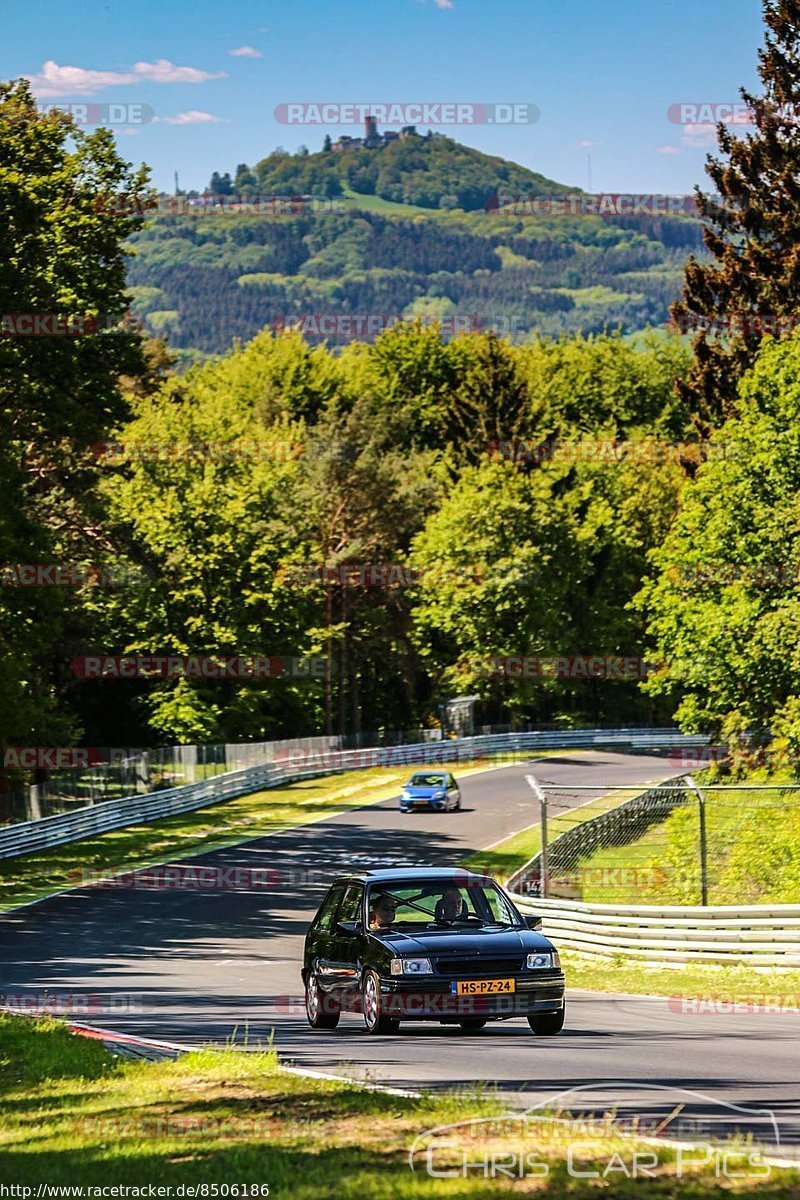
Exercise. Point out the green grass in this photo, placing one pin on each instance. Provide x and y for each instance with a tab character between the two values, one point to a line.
503	860
753	840
388	208
599	295
710	983
74	1115
33	876
506	858
756	851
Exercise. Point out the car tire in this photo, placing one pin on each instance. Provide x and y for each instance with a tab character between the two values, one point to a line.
547	1024
320	1015
375	1019
472	1025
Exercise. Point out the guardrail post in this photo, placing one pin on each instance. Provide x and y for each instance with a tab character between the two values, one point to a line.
543	865
701	807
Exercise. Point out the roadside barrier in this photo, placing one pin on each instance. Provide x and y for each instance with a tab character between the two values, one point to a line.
26	837
758	935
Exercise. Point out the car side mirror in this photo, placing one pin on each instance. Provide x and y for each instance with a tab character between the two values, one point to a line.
351	927
533	922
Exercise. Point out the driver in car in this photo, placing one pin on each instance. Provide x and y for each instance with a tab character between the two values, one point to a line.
383	911
451	907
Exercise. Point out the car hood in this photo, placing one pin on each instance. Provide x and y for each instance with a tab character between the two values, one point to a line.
424	792
490	942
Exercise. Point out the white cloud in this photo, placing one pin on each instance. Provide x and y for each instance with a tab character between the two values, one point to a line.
192	117
700	136
163	71
444	3
586	144
669	150
55	80
246	52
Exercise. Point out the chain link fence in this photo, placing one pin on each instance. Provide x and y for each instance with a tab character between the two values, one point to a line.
683	842
130	772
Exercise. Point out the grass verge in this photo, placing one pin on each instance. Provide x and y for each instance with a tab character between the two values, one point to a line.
753	848
76	1116
229	823
614	875
506	858
714	987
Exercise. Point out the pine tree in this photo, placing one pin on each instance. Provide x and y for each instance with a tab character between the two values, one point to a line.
752	230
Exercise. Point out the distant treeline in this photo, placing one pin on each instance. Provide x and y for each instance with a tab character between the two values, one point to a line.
205	280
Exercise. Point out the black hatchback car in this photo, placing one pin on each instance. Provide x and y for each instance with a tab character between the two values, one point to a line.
428	944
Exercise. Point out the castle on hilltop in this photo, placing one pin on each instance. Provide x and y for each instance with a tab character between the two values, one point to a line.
372	140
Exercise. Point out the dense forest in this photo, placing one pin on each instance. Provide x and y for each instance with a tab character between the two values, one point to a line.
428	172
204	280
420	511
410	228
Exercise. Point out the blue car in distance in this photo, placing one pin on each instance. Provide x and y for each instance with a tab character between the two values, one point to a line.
436	790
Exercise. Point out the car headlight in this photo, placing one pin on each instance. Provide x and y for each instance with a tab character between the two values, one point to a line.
411	966
405	794
543	959
438	796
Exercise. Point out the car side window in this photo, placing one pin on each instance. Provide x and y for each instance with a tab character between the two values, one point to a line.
351	909
451	783
328	911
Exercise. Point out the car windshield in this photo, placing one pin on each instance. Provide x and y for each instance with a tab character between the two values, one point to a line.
432	904
427	781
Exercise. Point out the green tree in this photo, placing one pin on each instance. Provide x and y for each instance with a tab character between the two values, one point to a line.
213	513
752	229
365	495
723	611
61	256
556	554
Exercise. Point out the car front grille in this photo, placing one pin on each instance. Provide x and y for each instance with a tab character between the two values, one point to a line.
478	966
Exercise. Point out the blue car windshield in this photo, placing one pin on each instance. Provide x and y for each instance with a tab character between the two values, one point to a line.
427	781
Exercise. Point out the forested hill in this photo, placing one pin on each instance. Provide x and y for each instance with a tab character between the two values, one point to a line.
431	172
396	237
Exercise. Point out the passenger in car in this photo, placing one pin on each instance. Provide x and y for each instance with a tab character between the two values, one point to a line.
383	912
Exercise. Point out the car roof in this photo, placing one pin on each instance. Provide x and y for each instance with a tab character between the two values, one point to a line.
398	874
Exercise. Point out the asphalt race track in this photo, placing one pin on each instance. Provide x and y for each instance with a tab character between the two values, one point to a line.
223	965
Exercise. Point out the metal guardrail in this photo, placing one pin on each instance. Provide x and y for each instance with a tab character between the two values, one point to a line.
758	935
27	837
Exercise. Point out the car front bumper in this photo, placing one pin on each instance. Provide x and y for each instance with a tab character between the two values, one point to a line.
431	999
409	805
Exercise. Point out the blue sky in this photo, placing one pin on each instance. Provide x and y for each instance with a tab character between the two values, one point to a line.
603	75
